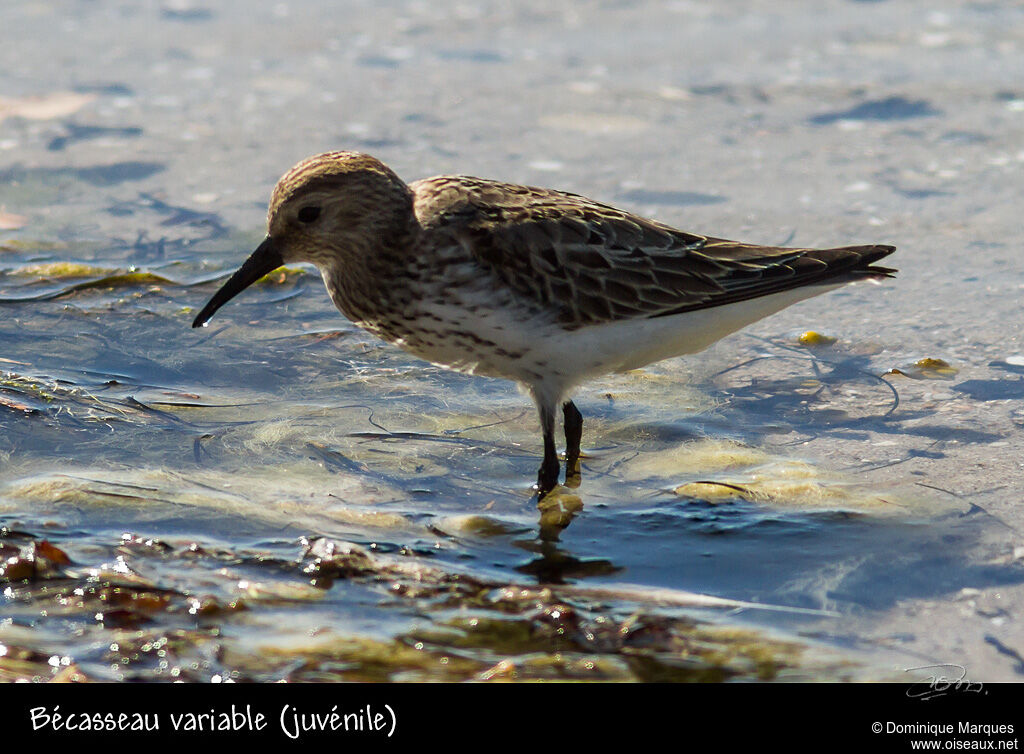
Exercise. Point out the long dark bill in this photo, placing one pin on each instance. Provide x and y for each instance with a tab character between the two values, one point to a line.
265	259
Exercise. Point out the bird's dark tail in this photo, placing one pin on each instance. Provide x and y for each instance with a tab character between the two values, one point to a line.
762	271
868	255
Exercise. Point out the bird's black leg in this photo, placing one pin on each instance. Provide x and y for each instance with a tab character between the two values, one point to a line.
547	477
573	434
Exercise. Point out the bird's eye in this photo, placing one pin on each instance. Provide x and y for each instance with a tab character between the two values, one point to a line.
308	214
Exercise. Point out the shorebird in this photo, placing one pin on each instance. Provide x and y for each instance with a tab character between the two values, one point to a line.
542	287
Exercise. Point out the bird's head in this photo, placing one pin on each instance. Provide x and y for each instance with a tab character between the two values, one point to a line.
330	210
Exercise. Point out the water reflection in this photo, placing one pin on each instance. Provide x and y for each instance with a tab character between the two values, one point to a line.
214	452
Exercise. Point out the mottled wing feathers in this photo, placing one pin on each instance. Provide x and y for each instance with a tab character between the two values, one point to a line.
596	263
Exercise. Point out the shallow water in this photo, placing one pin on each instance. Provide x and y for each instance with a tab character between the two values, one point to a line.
280	495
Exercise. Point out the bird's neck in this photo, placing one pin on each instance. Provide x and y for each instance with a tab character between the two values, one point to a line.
362	283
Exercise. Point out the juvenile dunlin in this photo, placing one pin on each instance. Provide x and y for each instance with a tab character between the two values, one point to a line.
545	288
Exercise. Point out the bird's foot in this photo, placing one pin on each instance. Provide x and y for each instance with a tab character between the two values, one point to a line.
547	477
573	477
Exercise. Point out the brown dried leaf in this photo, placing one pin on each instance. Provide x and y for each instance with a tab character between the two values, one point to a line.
52	553
13	404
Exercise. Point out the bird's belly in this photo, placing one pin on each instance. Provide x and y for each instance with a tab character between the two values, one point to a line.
631	344
482	340
530	347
